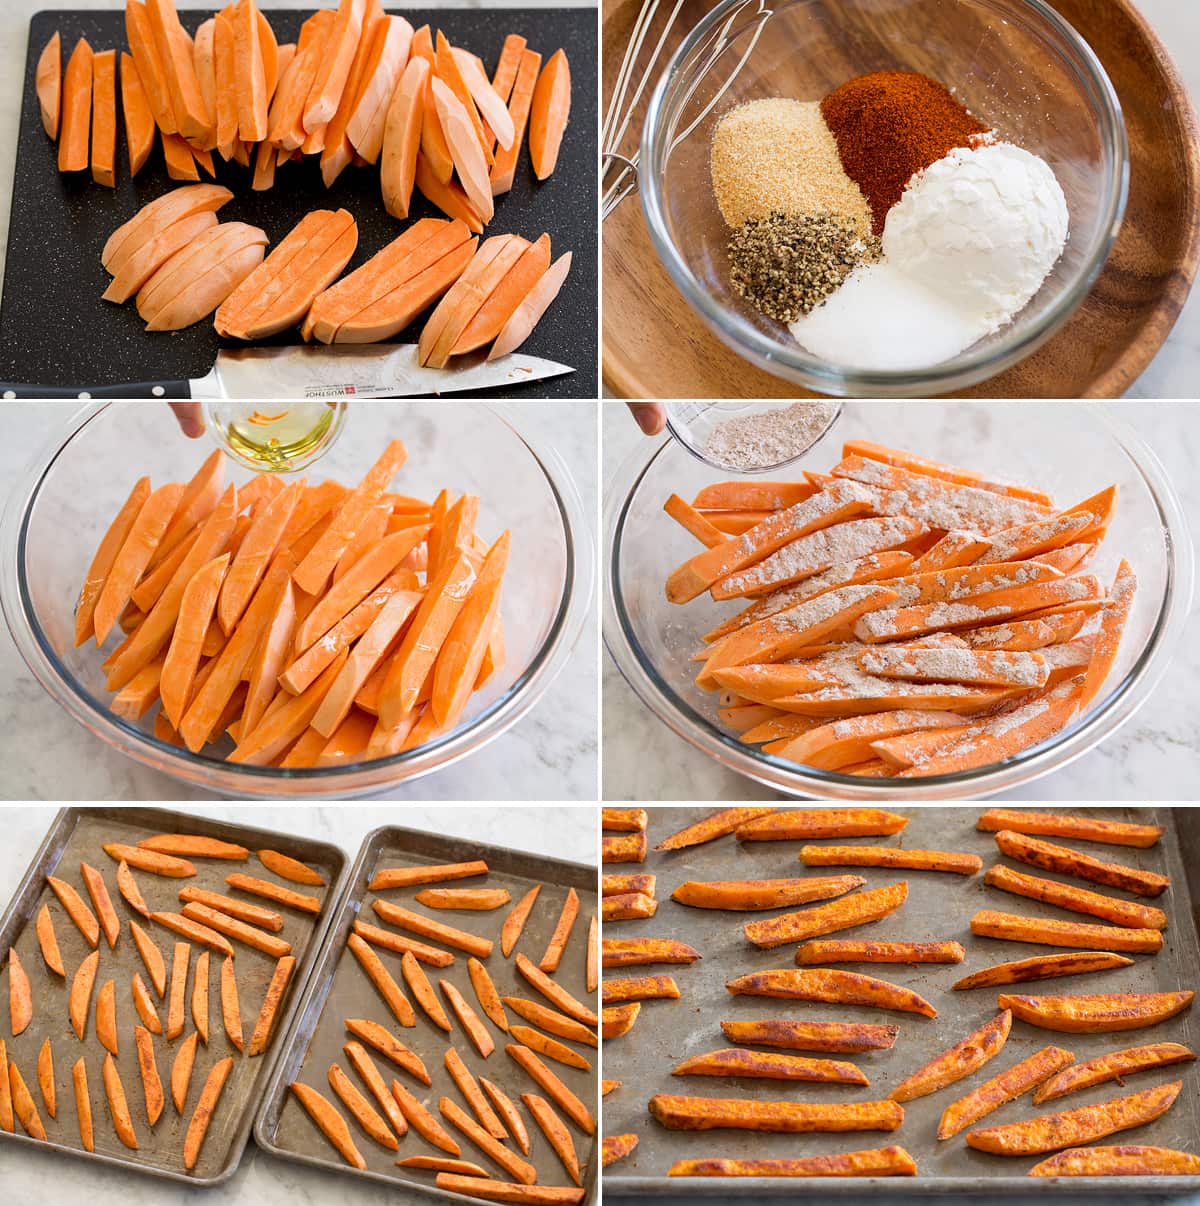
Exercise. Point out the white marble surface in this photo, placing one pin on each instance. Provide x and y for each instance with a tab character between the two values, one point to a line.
30	1176
1153	756
550	754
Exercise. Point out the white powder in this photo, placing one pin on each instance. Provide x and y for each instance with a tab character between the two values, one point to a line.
770	437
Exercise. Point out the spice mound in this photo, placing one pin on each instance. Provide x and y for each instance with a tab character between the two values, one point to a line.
770	438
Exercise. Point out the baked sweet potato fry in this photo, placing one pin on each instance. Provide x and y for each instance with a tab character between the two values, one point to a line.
632	952
80	999
1115	1065
514	923
821	823
988	923
762	1065
20	995
964	1058
616	1147
1097	1013
1121	1161
623	820
830	1037
422	1121
1042	967
383	980
406	877
1051	1132
846	913
562	932
872	1162
890	856
468	1019
1127	913
83	917
748	895
712	827
620	885
550	1084
150	860
858	950
1087	829
623	848
788	1117
554	992
270	891
640	988
506	1191
1005	1087
118	1107
831	985
400	944
331	1124
1063	861
270	1006
397	915
552	1021
628	906
522	1170
486	993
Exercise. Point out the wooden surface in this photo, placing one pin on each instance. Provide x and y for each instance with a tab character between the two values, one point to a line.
655	346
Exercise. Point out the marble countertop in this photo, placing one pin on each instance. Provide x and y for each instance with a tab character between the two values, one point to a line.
550	754
1152	757
33	1176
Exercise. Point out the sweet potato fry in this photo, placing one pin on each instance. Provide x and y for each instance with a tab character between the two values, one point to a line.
514	923
422	1121
270	1006
506	1191
6	1109
512	1164
83	1103
1126	913
747	895
45	1075
552	1020
463	1168
290	869
23	1105
427	928
554	992
551	1048
180	962
405	877
361	1109
623	820
390	1047
181	1071
1059	859
80	1000
964	1058
846	913
830	1037
821	823
150	860
200	996
270	891
1005	1087
128	888
619	1019
623	848
143	1003
399	943
118	1107
566	1101
106	1016
110	924
591	955
506	1108
468	1019
1122	1161
787	1117
836	987
473	1095
641	988
20	995
1115	1065
152	1088
486	993
1088	829
151	957
191	845
1097	1013
555	1130
383	980
712	827
231	1013
761	1065
1008	926
364	1065
276	948
1051	1132
252	914
331	1124
479	900
618	885
873	1162
888	856
83	917
1042	967
631	952
422	990
562	932
858	950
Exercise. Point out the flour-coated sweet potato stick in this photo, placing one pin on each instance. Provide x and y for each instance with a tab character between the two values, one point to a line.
270	891
554	992
520	1169
1127	913
181	1071
152	1088
331	1124
194	931
270	1007
1087	829
400	944
1108	635
831	985
45	1075
617	885
1063	861
110	924
633	952
468	1086
150	860
555	1130
361	1109
1042	967
1115	1065
514	923
468	1019
1097	1013
553	1021
106	1016
562	1096
260	940
118	1107
486	993
83	1102
383	980
256	915
509	1114
80	999
390	1047
405	877
889	856
231	1013
562	932
988	923
964	1058
639	988
83	917
1072	1127
20	995
872	1162
760	1065
422	1121
1125	1160
1004	1087
747	895
712	827
48	942
550	1048
22	1104
846	913
479	900
406	919
821	823
364	1065
859	950
127	886
788	1117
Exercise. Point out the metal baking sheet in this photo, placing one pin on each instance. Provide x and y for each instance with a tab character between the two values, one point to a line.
340	989
76	835
939	906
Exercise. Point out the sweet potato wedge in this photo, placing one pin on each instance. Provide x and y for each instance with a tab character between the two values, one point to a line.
1042	967
290	869
427	928
1079	900
640	988
181	1070
514	923
189	845
150	860
747	895
151	957
468	1019
889	856
988	923
821	823
20	995
364	1065
152	1088
1004	1087
831	1037
118	1106
400	943
1097	1013
846	913
83	917
554	992
1115	1065
759	1065
390	1047
535	1040
331	1124
383	980
507	1191
361	1109
80	998
270	891
964	1058
1087	829
506	1108
555	1130
45	1075
469	899
873	1162
270	1006
512	1164
859	950
110	924
48	942
831	985
1121	1161
562	933
567	1101
553	1021
712	827
1063	861
405	877
250	935
788	1117
634	952
422	1121
106	1016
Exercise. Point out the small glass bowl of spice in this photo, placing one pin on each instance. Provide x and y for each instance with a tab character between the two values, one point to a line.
749	437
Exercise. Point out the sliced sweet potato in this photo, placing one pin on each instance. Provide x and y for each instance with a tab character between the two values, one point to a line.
75	133
520	100
49	84
548	114
834	986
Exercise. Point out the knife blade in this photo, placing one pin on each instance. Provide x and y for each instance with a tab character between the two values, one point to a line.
376	370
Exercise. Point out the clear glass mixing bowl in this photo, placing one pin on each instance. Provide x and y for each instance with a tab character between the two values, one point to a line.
59	509
1016	64
1071	450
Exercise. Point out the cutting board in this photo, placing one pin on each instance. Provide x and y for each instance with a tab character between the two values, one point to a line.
655	346
56	330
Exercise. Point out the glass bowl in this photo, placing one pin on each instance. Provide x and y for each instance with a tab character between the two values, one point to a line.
58	511
1016	64
1069	449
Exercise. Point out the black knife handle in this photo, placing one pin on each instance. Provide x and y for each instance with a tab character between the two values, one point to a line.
141	389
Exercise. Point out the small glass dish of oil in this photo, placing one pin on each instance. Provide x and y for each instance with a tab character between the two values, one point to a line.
275	437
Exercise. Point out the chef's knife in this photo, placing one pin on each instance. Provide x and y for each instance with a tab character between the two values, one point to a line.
377	370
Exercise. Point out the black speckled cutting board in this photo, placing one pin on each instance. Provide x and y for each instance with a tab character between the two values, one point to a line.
56	330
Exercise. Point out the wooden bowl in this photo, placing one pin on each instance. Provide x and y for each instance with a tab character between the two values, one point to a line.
656	347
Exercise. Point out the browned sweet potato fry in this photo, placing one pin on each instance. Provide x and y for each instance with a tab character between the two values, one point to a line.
832	985
462	1168
514	923
191	845
276	948
20	995
512	1164
873	1162
118	1107
390	1047
110	923
48	941
1122	1161
1005	1087
361	1109
475	900
623	848
406	877
832	1037
618	885
486	993
844	914
965	1057
609	1086
1088	829
639	988
128	888
859	950
821	823
83	1104
562	932
468	1019
364	1065
506	1191
473	1094
1079	900
45	1075
790	1117
23	1105
150	860
156	966
151	1083
748	895
628	906
1115	1065
252	914
1042	967
890	856
270	1006
1097	1013
80	999
181	1070
428	928
83	917
106	1016
422	990
379	975
634	952
988	923
555	1130
623	820
617	1020
1060	859
194	931
422	1121
562	1097
400	943
275	892
290	869
555	993
1050	1132
761	1065
332	1125
715	826
506	1108
553	1021
616	1147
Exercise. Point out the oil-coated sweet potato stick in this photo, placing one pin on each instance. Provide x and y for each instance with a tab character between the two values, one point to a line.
747	895
1115	1065
250	935
858	950
1126	1160
331	1124
400	944
509	1114
964	1058
270	891
405	877
83	1102
383	980
507	1191
1097	1013
552	1021
1005	1087
361	1109
633	952
1087	829
831	1037
422	990
290	868
80	998
555	1130
390	1047
514	923
426	927
712	827
83	917
1042	967
144	1004
888	856
480	900
831	985
110	924
550	1048
554	992
821	823
191	845
151	957
422	1121
20	995
521	1170
1063	861
106	1016
252	914
486	993
562	1096
846	913
787	1117
640	988
562	932
180	962
1011	928
872	1162
1051	1132
152	1088
150	860
468	1019
118	1107
364	1065
45	1075
22	1104
760	1065
181	1071
231	1013
128	888
473	1095
1079	900
270	1006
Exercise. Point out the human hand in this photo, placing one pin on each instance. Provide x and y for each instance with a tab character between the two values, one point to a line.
650	416
188	414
